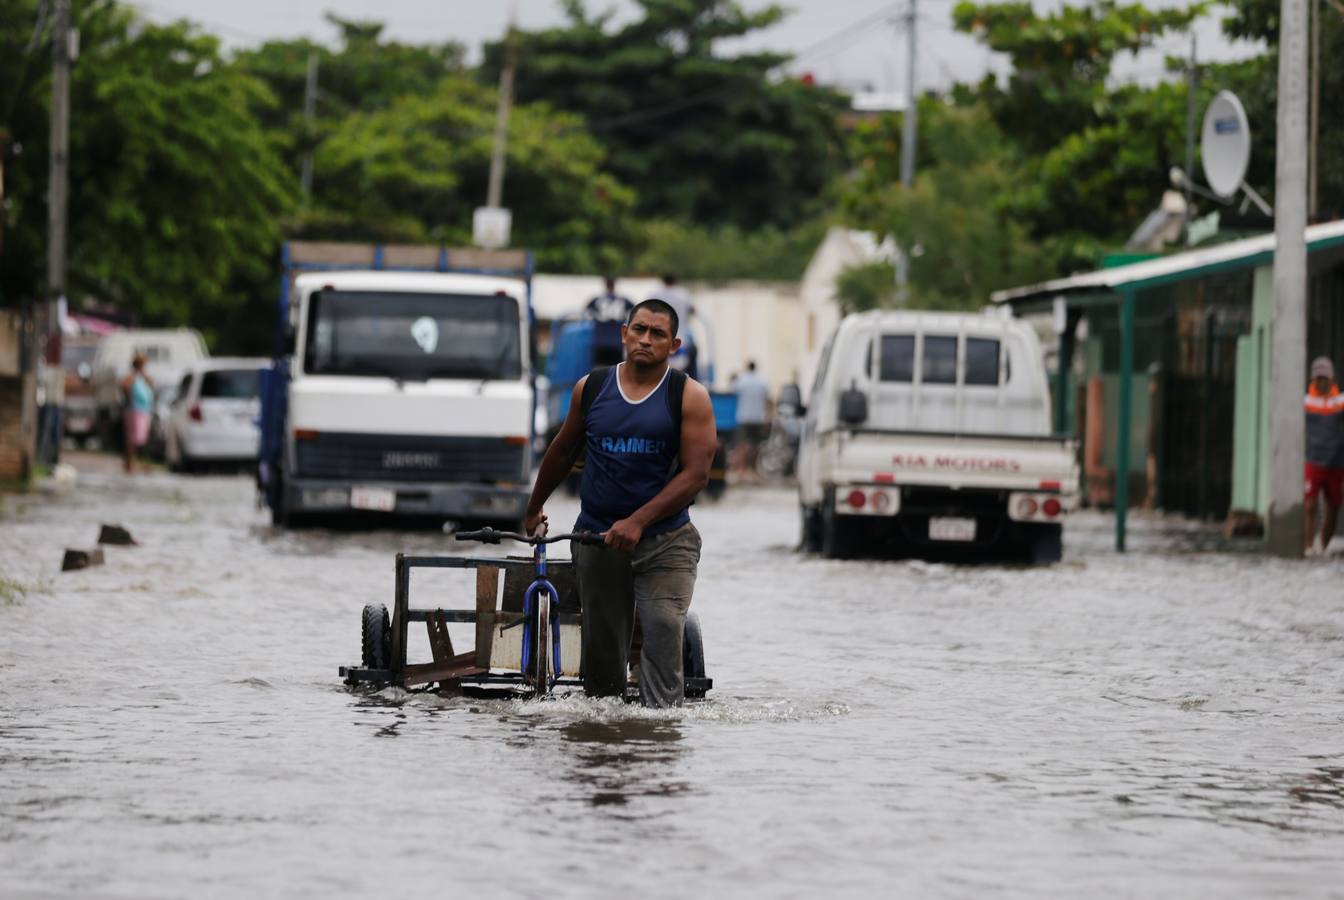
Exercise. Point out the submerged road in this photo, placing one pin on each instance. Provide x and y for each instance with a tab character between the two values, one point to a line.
1162	724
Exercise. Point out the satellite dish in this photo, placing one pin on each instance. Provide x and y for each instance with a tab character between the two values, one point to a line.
1225	144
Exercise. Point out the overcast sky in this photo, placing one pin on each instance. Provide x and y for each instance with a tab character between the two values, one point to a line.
871	55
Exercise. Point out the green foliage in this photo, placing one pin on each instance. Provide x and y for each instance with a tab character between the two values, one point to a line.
866	286
176	193
364	75
718	254
1060	61
962	239
415	171
701	136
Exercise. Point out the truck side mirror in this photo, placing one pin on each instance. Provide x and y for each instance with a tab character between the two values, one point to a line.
853	406
288	341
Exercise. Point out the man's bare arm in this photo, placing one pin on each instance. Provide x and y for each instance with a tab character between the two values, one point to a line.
559	458
698	443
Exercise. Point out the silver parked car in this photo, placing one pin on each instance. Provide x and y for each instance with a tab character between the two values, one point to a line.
213	418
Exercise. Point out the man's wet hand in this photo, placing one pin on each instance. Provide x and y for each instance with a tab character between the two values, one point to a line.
535	523
624	535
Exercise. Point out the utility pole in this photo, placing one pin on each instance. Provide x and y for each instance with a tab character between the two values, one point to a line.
1315	106
1191	89
60	143
309	115
49	433
495	191
909	135
1289	358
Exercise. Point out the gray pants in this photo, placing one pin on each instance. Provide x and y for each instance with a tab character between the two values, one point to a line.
657	579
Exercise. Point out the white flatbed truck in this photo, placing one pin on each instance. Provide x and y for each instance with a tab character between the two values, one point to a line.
402	385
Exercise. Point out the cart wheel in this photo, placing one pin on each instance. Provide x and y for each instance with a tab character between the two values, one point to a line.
692	653
377	637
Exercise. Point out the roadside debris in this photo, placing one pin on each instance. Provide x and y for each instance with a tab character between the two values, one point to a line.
81	559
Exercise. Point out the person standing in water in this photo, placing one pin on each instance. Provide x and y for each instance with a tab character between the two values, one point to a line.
137	391
648	432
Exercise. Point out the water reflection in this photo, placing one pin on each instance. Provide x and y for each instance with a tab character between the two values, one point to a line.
625	759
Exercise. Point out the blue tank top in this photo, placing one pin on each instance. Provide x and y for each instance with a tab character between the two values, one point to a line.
632	454
142	395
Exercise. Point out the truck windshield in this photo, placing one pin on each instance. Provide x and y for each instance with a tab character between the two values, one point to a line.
413	336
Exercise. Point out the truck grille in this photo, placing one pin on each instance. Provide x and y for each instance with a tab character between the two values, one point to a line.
395	457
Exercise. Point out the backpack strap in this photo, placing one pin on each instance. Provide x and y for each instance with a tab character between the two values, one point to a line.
596	379
676	388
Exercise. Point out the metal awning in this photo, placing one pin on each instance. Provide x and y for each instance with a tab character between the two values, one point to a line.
1245	253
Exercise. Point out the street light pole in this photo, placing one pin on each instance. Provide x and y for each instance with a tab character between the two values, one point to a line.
495	188
1286	532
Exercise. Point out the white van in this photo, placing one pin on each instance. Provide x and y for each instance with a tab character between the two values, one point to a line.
168	352
931	431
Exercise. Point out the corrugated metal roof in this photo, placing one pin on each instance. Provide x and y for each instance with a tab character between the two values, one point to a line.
1177	267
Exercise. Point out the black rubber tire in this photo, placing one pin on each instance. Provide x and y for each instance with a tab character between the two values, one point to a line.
811	529
1047	545
839	534
692	653
376	637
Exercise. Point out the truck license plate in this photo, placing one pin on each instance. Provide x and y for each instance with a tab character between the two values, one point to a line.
377	499
945	529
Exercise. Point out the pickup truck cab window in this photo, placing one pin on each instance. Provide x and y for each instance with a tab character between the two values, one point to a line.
897	362
982	361
940	359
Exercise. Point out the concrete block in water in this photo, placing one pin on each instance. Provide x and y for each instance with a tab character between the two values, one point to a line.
116	536
81	559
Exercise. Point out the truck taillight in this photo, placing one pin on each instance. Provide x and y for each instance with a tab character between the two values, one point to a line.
1026	507
1051	507
857	498
195	413
881	501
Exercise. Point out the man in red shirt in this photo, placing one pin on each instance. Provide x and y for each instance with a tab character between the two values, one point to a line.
1325	450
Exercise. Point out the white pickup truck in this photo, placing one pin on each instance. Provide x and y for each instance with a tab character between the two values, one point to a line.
931	431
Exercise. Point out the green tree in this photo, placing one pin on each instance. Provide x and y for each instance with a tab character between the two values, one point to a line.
363	74
701	136
176	192
1093	158
726	252
416	170
962	239
1255	82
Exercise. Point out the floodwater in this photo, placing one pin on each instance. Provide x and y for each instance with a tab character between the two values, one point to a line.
1163	724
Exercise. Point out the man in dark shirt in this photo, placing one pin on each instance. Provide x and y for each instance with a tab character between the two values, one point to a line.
648	450
608	312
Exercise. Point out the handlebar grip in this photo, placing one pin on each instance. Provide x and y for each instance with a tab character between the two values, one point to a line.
587	537
485	536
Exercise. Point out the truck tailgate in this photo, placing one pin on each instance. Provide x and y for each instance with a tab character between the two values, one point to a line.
1003	462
